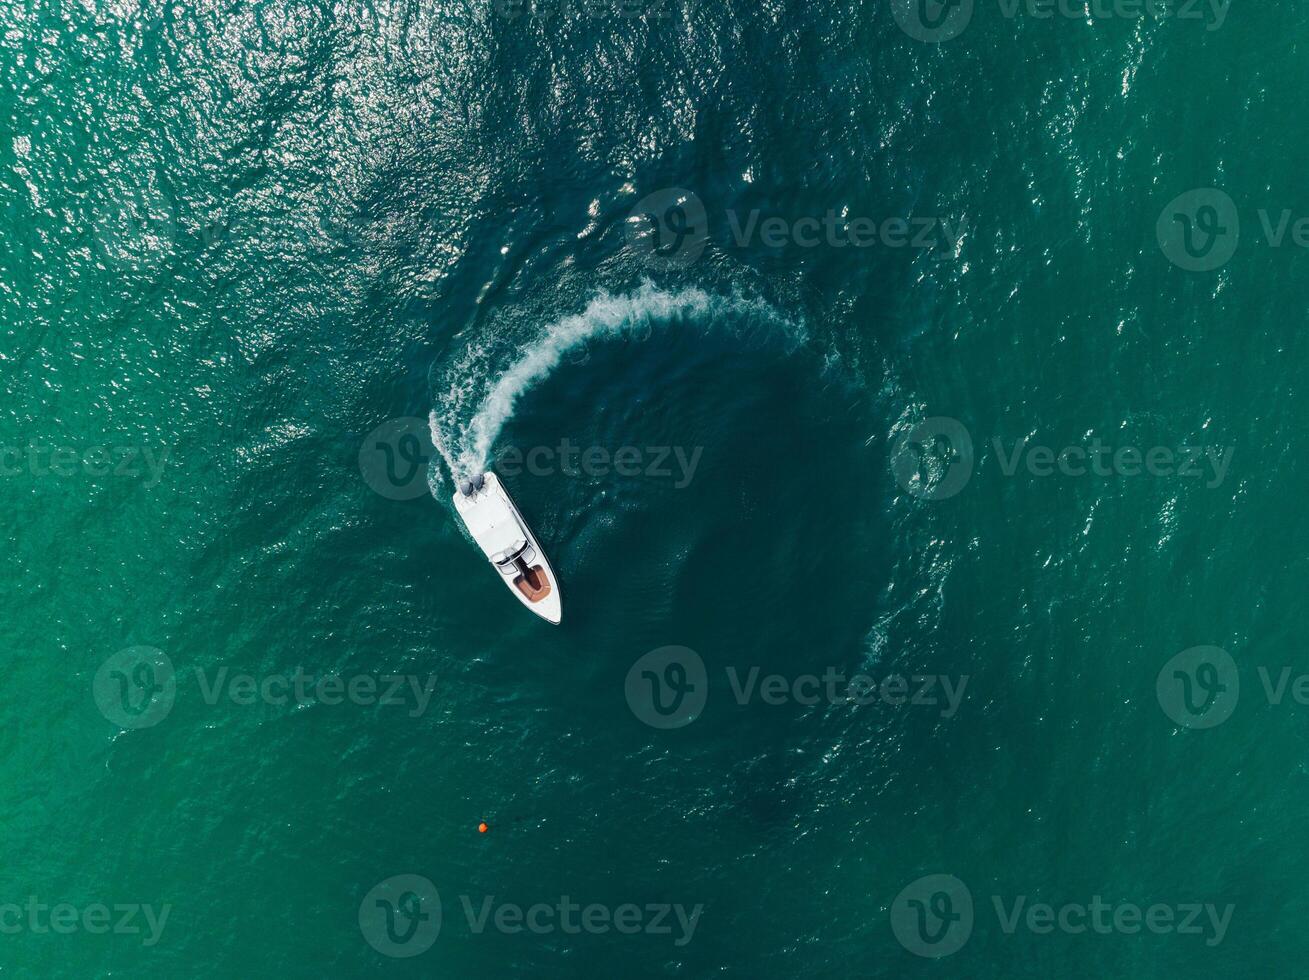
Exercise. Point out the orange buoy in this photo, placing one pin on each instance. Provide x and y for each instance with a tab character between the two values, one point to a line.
482	827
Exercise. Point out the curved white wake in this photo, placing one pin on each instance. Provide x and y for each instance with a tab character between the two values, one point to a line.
466	447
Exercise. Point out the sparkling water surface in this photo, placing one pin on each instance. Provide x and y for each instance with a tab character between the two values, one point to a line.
905	394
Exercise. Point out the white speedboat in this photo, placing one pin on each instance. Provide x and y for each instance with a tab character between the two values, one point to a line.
500	531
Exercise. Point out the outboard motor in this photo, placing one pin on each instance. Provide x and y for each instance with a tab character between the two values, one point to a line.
479	481
466	487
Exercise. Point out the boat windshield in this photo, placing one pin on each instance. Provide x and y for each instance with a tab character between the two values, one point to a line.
506	557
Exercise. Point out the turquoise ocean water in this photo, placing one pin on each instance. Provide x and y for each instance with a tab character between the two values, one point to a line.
905	394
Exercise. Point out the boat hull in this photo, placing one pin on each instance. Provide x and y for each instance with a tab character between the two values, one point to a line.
532	582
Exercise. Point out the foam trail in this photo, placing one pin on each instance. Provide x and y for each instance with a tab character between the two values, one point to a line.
467	449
